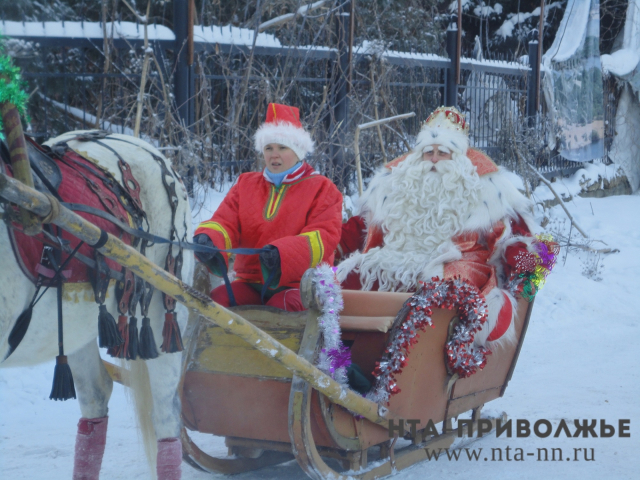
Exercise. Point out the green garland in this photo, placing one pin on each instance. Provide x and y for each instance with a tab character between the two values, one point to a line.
11	88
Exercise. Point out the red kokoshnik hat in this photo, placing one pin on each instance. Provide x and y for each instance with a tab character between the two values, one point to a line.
283	126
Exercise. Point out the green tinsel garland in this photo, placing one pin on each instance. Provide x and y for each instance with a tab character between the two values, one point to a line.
11	88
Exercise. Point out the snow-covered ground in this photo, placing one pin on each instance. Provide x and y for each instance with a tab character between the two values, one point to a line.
577	363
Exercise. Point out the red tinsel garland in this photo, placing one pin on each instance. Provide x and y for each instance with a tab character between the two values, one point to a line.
463	357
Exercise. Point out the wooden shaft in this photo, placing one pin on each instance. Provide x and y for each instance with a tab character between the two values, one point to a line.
356	140
19	160
356	147
230	322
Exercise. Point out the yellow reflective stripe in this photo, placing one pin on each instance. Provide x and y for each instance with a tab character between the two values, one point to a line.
317	248
218	228
275	200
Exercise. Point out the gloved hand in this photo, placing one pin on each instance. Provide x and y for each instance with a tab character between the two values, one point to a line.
204	240
213	260
270	262
271	258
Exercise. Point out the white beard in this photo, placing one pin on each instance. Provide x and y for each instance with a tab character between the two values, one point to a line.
419	211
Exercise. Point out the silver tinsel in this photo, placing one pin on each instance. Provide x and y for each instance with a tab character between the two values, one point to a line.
463	357
334	357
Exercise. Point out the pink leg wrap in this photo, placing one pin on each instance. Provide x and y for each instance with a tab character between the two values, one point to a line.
90	442
169	459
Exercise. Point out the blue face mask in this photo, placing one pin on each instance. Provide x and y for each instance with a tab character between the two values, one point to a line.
276	178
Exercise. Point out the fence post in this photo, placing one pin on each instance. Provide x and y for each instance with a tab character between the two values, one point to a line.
341	83
181	79
532	83
450	82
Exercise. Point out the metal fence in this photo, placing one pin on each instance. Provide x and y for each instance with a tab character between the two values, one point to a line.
228	86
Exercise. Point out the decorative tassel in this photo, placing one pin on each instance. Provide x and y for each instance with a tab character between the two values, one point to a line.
19	330
108	335
132	351
119	351
63	388
147	346
171	338
21	326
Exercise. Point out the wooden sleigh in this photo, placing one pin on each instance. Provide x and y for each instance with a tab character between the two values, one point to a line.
248	372
269	416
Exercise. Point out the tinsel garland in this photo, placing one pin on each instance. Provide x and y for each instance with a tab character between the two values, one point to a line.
463	357
11	88
334	358
527	281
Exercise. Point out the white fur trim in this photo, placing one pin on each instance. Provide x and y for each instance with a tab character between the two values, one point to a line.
498	199
284	133
457	142
447	252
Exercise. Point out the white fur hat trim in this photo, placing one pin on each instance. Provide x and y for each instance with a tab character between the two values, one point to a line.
284	133
456	141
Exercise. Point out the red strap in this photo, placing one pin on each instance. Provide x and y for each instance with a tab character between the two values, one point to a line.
47	272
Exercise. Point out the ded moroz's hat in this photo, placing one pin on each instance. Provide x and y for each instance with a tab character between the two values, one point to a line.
445	126
283	126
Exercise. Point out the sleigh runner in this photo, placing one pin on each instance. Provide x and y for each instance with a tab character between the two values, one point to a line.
249	373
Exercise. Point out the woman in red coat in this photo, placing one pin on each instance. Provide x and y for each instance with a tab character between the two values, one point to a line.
288	209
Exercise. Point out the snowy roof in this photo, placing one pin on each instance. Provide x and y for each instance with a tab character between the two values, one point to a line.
233	36
122	30
222	35
378	49
494	63
134	31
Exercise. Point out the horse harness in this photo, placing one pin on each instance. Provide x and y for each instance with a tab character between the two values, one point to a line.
122	340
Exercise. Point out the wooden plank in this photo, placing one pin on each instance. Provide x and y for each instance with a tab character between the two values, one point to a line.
220	352
117	374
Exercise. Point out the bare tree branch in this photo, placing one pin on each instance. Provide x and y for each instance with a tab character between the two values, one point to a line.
555	194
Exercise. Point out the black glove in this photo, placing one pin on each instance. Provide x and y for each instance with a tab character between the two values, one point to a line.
213	260
271	258
204	240
270	261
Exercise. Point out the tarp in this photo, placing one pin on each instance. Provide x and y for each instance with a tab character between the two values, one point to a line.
573	81
625	62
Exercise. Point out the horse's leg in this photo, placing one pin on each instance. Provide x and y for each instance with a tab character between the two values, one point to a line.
93	386
164	376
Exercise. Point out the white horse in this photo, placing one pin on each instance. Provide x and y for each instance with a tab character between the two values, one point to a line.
155	382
